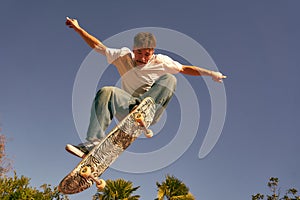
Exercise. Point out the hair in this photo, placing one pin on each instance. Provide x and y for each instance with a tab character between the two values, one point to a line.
144	40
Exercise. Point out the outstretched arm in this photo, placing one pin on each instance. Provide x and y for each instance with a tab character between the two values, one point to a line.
197	71
93	42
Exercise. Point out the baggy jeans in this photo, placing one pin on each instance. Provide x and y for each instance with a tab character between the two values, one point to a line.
112	102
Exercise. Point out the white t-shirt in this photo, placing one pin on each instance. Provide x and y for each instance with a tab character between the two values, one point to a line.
136	80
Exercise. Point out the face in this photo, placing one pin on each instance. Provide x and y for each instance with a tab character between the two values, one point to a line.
142	56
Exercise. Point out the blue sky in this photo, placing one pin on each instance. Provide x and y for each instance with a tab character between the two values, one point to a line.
254	43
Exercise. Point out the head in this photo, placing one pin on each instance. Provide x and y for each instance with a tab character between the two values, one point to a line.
143	47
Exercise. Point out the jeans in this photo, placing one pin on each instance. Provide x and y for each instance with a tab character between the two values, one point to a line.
114	102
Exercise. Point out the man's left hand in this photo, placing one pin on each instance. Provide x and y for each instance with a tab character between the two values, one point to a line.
218	77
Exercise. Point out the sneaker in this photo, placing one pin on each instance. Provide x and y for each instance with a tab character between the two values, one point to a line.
82	149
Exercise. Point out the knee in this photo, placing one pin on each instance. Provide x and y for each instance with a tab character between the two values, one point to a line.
170	81
105	92
171	78
107	89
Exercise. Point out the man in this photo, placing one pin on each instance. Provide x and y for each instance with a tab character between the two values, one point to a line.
143	74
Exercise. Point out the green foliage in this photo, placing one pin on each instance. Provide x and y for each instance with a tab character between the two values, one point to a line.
118	189
173	189
18	188
291	194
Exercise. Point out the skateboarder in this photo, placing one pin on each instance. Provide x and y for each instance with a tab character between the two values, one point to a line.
143	74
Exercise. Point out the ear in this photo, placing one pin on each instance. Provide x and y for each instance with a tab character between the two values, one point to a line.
152	50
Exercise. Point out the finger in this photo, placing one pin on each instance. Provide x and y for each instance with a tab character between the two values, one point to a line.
70	20
68	24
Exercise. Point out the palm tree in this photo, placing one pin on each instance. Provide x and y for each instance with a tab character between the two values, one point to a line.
173	189
118	189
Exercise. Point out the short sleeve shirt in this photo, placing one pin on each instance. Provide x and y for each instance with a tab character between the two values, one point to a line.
136	80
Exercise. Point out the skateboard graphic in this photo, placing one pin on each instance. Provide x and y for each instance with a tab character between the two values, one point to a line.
108	150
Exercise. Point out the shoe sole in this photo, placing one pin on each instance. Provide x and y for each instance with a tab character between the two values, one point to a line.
73	150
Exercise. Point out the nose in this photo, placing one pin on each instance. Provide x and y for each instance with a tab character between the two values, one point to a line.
144	59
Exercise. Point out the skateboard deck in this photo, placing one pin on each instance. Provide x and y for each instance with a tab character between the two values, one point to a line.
108	150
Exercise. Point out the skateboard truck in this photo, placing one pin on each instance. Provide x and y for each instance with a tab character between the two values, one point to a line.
86	172
138	117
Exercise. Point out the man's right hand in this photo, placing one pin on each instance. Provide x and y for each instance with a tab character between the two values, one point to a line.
92	41
72	23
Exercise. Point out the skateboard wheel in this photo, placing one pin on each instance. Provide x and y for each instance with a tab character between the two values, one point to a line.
101	184
85	171
138	117
149	133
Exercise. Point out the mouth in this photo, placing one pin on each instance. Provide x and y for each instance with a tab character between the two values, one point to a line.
140	62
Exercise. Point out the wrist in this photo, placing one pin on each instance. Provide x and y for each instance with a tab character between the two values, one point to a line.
78	29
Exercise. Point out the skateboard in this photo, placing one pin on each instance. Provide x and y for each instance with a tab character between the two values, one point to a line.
93	165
